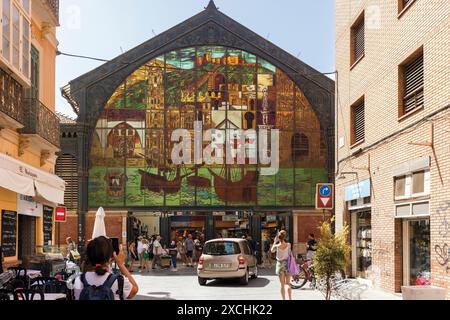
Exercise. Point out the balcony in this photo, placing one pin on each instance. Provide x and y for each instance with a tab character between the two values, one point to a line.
54	8
12	114
47	11
41	121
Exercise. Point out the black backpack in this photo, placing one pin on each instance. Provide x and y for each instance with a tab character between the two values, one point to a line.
103	292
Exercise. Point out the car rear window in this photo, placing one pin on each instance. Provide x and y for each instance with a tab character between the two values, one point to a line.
222	248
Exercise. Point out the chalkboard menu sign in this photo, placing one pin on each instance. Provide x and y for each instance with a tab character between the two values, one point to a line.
9	233
48	224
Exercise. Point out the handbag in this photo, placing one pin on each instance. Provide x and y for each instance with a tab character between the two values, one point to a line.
292	265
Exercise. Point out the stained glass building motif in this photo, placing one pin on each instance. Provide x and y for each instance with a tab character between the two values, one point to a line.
225	89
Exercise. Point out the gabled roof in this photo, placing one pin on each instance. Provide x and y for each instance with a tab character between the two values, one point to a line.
208	27
64	119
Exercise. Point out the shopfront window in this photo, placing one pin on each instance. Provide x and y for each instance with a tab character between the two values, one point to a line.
364	244
419	252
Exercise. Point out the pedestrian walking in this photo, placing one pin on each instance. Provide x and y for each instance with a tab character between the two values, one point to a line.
311	249
173	252
267	255
189	245
198	250
283	250
139	252
157	252
98	283
145	255
181	250
132	255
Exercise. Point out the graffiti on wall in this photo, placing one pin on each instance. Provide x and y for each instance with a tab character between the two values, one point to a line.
444	227
443	250
443	256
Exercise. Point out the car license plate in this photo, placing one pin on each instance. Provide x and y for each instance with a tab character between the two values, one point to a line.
221	265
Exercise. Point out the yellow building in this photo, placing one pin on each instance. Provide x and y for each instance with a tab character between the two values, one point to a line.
29	127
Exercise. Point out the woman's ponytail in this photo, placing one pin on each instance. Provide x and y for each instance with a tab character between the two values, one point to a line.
100	270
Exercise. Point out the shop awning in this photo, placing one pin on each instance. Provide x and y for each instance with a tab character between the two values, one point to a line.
25	179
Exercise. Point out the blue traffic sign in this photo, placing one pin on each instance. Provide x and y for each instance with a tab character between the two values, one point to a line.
325	191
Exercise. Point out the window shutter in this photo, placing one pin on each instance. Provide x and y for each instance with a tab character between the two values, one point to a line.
359	123
358	39
414	82
67	169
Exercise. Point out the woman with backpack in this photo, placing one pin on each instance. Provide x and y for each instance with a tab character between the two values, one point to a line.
98	283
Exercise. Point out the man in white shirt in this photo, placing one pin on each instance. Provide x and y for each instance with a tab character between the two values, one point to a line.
157	251
140	250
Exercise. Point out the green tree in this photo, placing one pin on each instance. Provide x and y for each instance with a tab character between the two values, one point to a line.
332	255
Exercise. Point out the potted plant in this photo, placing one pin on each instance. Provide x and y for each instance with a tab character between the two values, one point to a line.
332	255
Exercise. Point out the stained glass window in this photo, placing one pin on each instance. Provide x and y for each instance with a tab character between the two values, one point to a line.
226	90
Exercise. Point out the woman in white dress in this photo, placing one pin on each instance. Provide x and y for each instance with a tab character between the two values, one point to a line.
282	249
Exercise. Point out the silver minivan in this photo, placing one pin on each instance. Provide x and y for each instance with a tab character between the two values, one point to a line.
227	259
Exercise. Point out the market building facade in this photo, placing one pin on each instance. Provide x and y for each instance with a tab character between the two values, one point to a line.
393	140
207	73
29	128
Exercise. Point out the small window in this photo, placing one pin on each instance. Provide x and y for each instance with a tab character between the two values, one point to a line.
412	84
358	122
300	146
6	27
400	187
419	182
357	37
413	185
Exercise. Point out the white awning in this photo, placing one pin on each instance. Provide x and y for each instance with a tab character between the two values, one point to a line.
49	192
25	179
17	183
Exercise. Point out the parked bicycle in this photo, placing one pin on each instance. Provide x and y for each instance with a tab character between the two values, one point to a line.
306	275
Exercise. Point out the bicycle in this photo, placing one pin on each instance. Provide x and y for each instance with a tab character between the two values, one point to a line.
305	275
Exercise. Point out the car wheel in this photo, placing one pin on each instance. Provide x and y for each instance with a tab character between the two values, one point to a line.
244	279
202	281
255	273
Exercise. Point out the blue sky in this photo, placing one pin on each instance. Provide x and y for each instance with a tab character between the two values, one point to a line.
106	28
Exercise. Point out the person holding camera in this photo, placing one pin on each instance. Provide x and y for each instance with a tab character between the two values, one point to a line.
283	249
98	282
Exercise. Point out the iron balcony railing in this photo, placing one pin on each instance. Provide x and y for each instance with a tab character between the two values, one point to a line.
11	97
54	6
42	121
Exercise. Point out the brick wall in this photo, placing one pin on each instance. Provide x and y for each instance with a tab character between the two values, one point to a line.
389	41
114	227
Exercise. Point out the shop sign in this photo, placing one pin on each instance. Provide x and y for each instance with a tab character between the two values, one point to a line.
61	215
358	191
28	207
230	218
271	218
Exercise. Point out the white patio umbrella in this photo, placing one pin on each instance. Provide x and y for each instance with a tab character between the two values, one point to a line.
99	224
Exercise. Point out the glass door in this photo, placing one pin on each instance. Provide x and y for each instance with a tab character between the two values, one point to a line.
364	244
417	253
